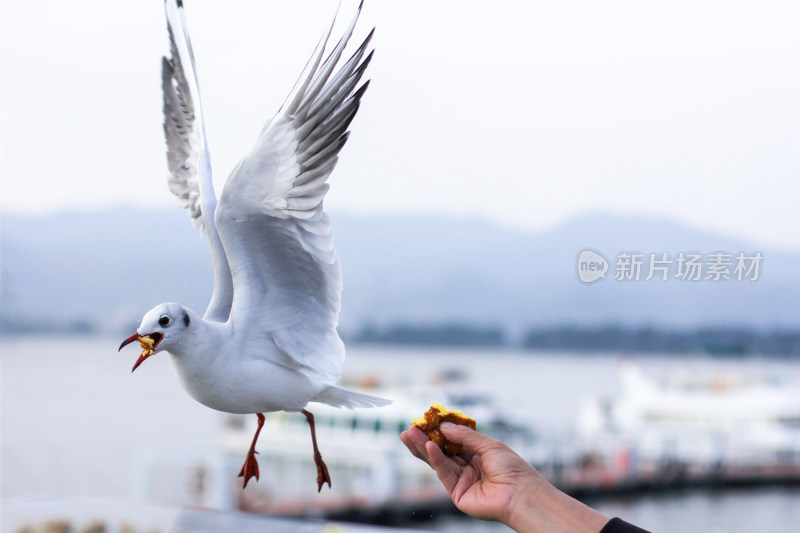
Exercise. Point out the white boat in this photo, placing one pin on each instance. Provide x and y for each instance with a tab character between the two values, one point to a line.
702	419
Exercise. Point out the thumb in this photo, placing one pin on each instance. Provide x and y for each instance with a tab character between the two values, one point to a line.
470	439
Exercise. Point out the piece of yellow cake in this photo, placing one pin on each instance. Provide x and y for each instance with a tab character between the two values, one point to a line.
433	417
147	345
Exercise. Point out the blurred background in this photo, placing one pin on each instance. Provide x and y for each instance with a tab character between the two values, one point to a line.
497	141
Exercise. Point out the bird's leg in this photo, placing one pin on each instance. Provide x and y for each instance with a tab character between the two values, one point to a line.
250	467
322	469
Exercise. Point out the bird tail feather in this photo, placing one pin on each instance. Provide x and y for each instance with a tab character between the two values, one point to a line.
339	397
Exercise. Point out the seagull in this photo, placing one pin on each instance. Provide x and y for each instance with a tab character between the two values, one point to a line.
267	341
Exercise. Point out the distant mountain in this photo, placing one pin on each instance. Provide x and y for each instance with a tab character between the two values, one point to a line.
103	270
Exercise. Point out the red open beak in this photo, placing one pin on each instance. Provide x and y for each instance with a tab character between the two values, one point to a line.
148	348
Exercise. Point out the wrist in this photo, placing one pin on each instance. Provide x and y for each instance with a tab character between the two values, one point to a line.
523	505
539	506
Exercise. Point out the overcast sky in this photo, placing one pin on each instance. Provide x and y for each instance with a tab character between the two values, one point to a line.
523	112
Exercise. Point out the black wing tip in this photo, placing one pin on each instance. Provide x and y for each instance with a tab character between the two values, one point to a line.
167	69
366	41
366	61
360	92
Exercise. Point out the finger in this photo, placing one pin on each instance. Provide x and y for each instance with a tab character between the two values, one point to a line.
466	455
415	441
406	439
476	463
460	461
447	470
472	441
416	436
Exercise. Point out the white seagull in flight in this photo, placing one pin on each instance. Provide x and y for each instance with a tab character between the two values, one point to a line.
268	339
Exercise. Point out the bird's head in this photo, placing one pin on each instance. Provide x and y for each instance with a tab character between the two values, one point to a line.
161	327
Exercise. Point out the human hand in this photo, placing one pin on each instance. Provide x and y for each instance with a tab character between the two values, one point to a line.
486	479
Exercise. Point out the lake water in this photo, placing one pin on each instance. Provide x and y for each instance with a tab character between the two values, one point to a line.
75	421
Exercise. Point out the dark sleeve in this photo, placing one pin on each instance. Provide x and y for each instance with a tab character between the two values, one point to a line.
615	525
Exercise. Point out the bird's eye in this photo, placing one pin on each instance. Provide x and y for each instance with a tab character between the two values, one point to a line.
163	321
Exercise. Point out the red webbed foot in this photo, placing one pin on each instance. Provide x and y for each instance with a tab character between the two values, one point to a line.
249	468
322	472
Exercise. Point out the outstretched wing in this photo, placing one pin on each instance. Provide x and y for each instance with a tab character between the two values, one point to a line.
187	151
286	272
